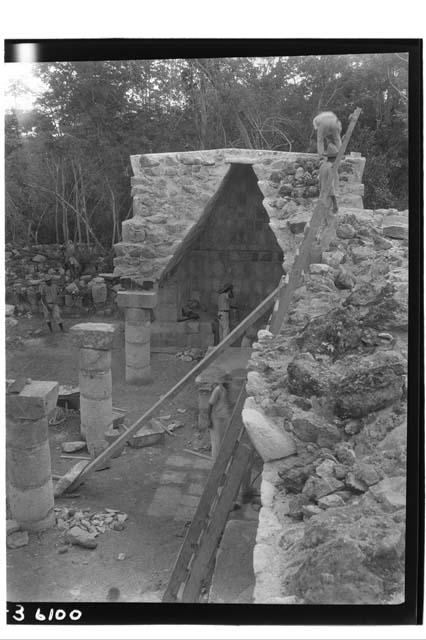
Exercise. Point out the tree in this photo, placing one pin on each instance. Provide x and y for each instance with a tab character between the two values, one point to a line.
67	159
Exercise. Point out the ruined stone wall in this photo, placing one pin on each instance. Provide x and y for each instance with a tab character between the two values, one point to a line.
326	409
171	190
170	193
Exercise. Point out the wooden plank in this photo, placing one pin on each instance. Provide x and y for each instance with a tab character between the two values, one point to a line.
198	454
210	540
189	377
280	313
232	433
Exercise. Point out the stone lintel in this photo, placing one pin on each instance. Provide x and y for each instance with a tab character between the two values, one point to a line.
137	299
242	160
93	335
36	400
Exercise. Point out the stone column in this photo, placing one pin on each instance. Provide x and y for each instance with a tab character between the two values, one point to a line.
29	473
137	307
94	340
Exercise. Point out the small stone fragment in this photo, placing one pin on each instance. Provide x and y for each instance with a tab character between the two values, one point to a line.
345	454
12	526
121	556
71	447
355	484
296	505
17	539
331	500
310	510
122	517
79	537
63	549
345	231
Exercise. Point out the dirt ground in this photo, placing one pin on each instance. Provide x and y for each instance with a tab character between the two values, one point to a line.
144	483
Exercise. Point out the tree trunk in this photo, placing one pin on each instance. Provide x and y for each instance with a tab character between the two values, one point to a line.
83	204
64	208
56	210
77	228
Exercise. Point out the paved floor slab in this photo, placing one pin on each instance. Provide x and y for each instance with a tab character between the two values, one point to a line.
233	579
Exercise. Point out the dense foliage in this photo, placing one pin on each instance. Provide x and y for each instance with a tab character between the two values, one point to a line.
67	160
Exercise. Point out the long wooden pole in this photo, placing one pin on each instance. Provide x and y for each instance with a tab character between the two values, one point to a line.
311	231
257	313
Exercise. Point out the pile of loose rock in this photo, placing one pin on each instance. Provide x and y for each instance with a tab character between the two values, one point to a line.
81	527
27	266
193	353
332	417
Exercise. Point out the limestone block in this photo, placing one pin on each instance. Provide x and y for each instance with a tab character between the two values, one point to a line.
95	385
390	492
32	508
137	355
297	223
333	258
256	384
37	399
148	161
133	230
192	326
29	469
359	254
321	269
137	299
138	374
91	360
268	437
93	335
137	334
350	200
395	440
396	226
148	435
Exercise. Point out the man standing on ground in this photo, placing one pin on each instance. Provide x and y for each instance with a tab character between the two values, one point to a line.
219	413
71	261
224	306
49	303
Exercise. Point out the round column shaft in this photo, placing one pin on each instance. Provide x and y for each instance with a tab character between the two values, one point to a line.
29	473
95	341
137	307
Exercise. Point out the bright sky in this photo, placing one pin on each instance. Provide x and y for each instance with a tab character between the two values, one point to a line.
24	97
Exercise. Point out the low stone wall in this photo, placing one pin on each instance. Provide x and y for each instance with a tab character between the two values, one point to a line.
27	266
326	409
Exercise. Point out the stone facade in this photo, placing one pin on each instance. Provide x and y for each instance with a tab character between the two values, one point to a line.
202	218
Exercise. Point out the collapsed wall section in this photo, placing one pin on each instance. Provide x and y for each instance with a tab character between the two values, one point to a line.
326	409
